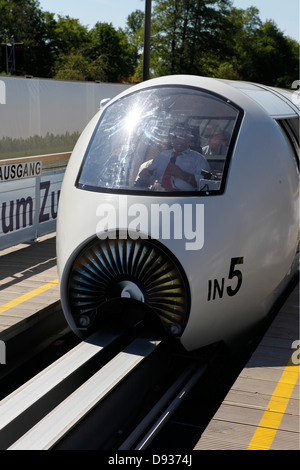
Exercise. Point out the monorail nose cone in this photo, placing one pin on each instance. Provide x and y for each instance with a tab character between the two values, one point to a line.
131	291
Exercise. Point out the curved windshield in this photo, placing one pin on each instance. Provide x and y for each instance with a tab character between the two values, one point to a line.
165	139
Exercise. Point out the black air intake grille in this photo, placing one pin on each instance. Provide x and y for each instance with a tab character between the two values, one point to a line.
140	269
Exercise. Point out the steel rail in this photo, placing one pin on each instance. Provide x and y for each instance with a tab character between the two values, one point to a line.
22	408
164	407
167	413
57	423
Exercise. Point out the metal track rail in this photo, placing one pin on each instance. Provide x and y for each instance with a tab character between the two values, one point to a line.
55	425
153	422
45	409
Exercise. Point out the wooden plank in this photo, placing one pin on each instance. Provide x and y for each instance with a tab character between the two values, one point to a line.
44	158
7	320
252	416
236	421
286	441
259	401
223	435
24	269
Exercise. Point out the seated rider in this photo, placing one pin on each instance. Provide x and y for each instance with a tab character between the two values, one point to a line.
176	169
217	142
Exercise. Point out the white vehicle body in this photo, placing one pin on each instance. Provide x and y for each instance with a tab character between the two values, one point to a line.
232	240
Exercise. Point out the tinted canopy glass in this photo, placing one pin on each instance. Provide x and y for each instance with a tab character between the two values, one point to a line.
166	139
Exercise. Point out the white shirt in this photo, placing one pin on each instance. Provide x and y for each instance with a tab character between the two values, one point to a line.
189	161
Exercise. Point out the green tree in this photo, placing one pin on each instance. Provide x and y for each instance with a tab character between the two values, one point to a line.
212	38
134	31
258	51
272	58
76	66
134	25
69	42
237	35
202	37
23	21
67	34
72	66
185	32
111	47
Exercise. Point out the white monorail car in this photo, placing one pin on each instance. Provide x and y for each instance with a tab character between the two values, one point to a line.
204	238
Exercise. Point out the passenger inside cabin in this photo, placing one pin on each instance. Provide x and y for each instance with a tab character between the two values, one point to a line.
218	141
175	169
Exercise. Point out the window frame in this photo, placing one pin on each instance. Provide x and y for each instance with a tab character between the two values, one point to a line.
293	138
148	192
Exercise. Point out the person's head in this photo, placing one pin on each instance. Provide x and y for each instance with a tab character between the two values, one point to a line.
180	137
214	137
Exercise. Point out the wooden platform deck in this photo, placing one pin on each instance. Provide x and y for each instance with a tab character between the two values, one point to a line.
28	282
261	411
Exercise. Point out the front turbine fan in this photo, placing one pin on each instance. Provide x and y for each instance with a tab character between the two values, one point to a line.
116	269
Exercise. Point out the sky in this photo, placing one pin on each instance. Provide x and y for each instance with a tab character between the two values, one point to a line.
285	13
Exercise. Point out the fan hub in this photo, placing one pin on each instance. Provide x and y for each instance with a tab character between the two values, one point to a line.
131	291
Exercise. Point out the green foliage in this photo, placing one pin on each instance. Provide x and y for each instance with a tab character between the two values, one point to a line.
68	35
63	48
23	21
260	52
202	37
37	145
186	32
113	49
212	38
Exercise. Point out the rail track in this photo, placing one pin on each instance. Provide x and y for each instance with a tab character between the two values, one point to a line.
118	390
115	390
